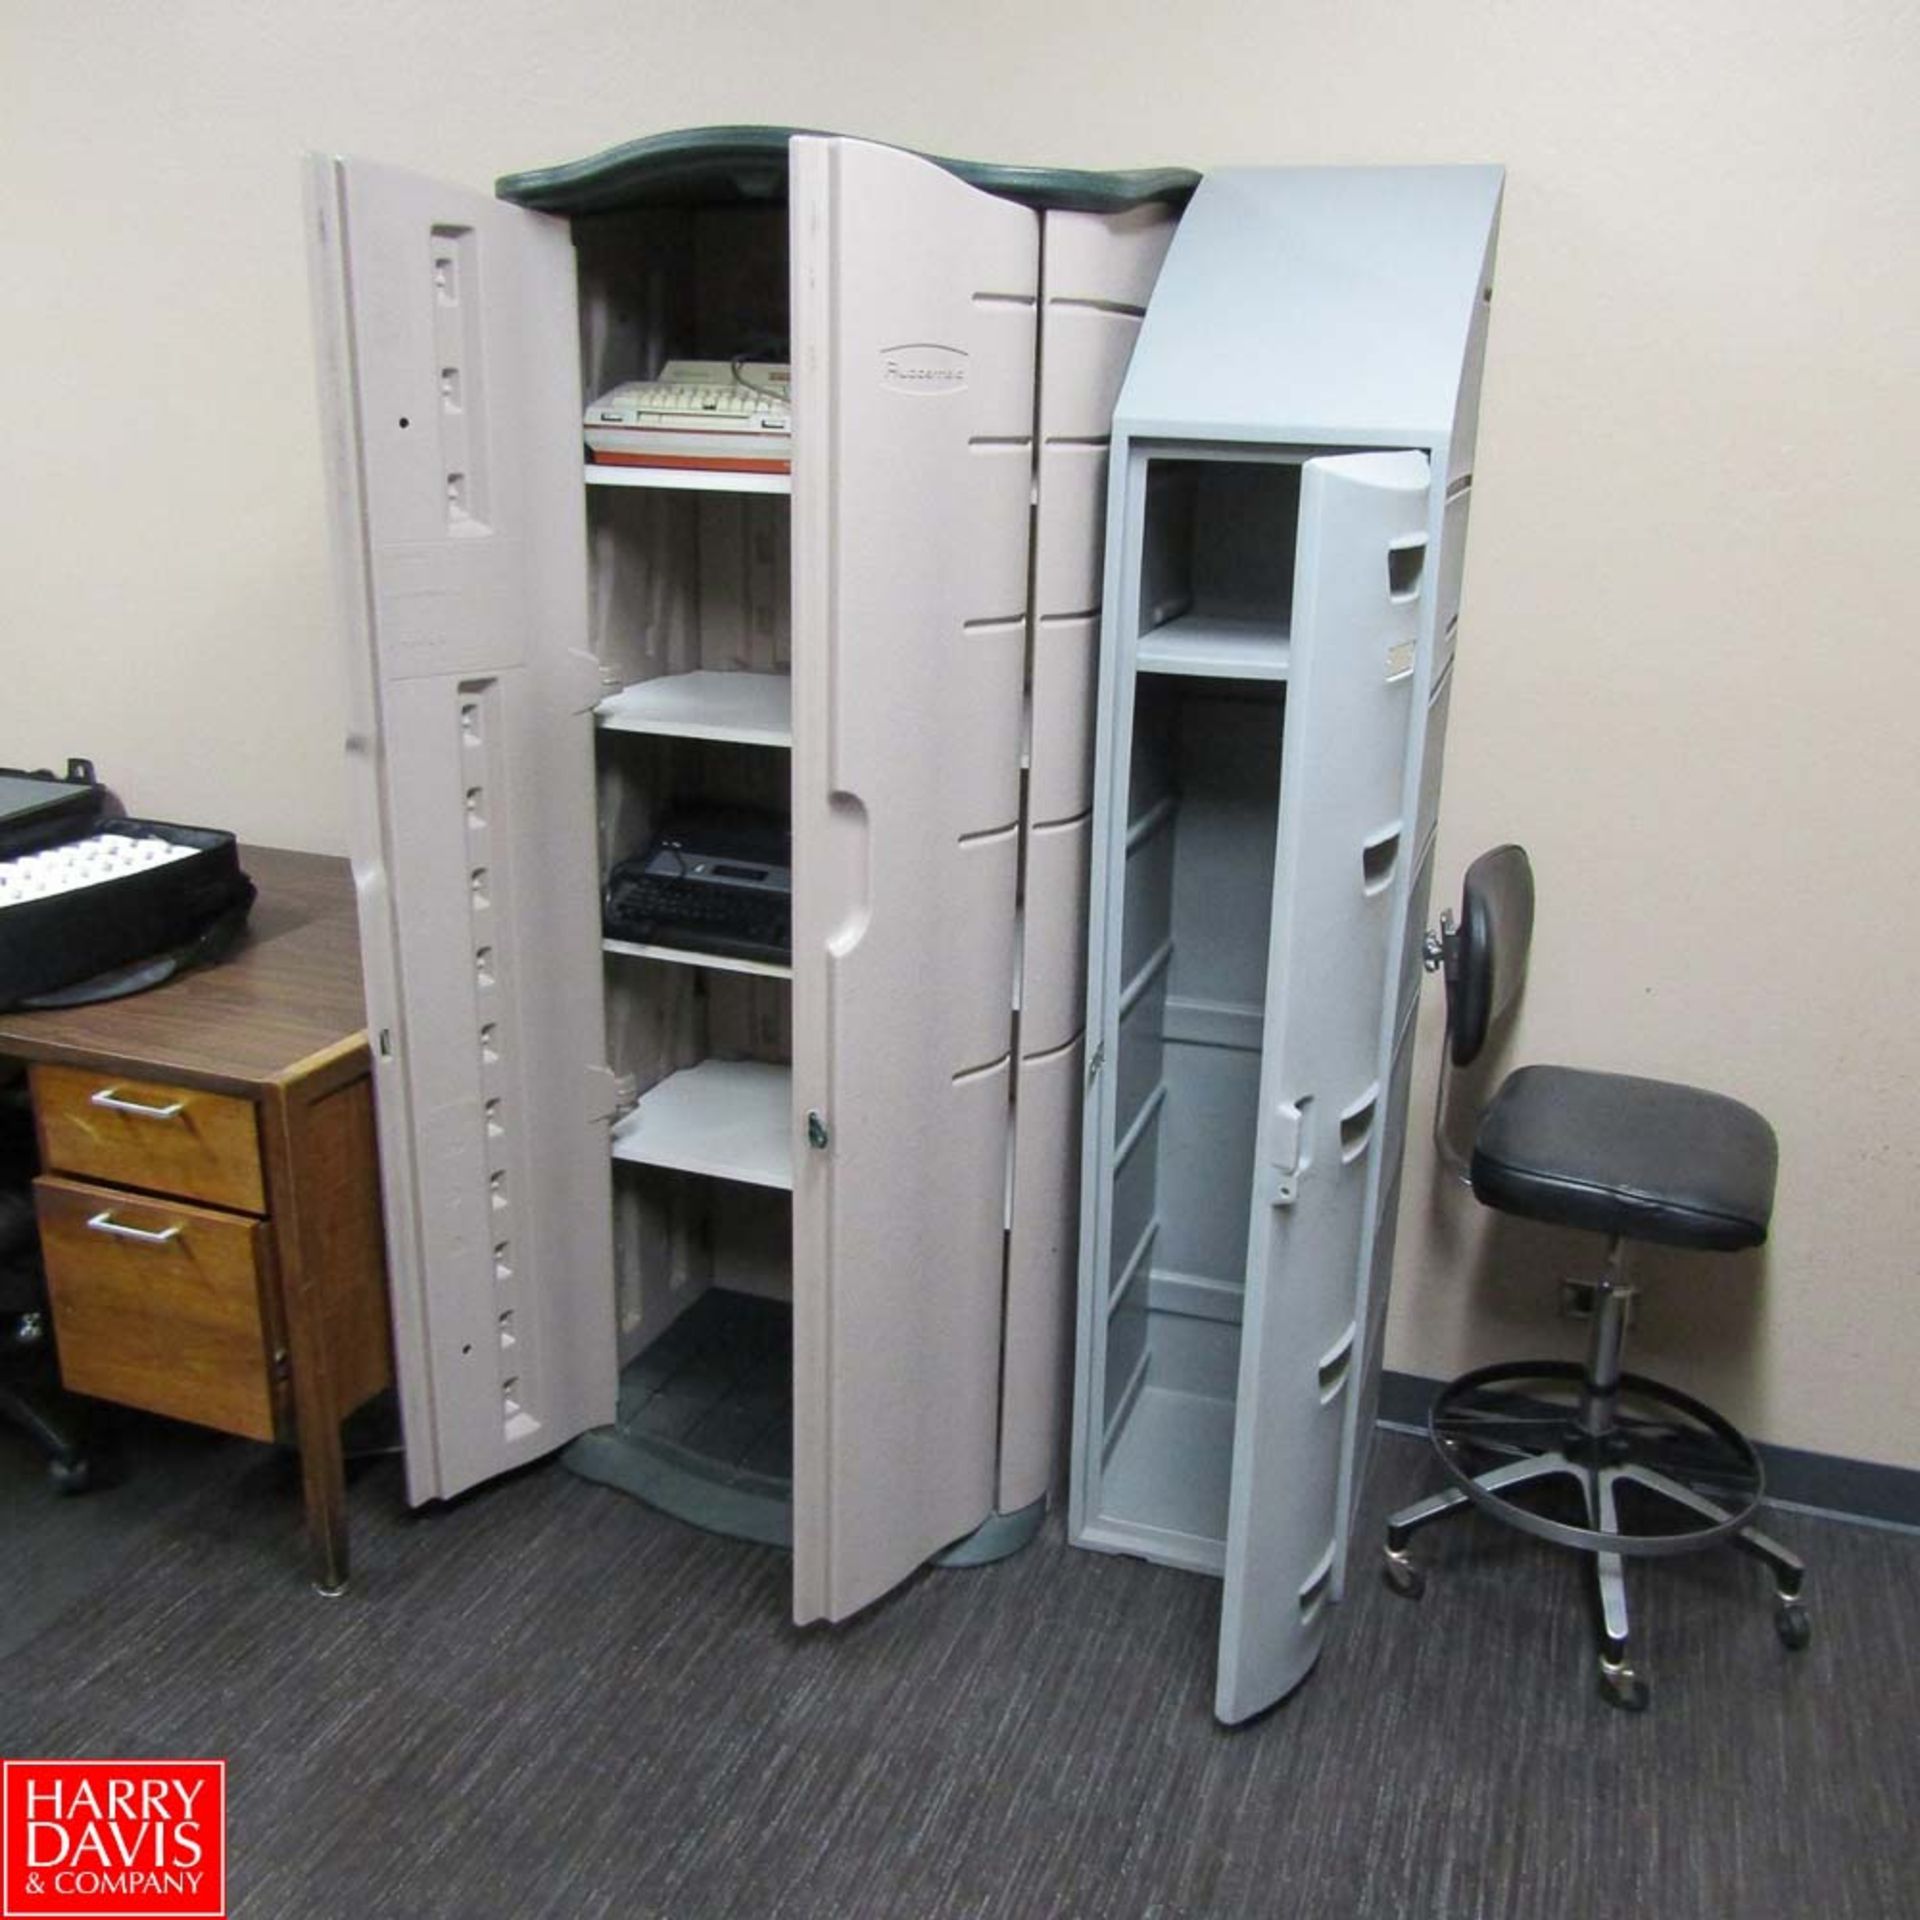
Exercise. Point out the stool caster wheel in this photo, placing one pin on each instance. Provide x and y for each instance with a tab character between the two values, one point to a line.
1793	1626
1402	1576
70	1476
1623	1688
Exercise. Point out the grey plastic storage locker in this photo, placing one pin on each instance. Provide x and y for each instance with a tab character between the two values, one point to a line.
583	1145
1292	466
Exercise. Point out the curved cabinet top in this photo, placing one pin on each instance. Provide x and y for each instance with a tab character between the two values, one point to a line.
718	166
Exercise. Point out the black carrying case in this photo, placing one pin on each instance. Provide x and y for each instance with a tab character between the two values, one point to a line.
119	935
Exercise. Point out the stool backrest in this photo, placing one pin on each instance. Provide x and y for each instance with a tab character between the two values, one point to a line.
1487	962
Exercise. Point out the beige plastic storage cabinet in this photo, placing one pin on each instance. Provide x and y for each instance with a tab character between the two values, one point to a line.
1292	467
585	1147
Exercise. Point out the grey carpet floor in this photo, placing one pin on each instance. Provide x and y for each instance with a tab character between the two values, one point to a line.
548	1700
56	1554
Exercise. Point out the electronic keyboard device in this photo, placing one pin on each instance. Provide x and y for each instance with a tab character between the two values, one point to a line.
94	905
715	880
726	415
91	862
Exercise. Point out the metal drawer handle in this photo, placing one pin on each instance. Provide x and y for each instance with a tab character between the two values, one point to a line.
106	1223
110	1097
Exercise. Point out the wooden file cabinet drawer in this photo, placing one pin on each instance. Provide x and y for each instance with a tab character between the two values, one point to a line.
142	1133
160	1305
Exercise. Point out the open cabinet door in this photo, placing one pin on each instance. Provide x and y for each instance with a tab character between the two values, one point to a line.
1338	889
450	403
913	347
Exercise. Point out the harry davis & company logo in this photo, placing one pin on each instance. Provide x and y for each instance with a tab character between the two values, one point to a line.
113	1840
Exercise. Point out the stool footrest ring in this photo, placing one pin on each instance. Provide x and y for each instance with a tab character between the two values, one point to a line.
1691	1478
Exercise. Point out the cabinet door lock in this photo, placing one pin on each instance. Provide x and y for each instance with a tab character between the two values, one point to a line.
1288	1153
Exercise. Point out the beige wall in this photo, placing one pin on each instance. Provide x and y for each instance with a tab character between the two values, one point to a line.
1688	677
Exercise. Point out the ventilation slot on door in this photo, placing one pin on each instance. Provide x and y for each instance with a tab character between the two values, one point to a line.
1377	860
1406	562
1356	1125
478	705
1336	1366
456	339
1313	1595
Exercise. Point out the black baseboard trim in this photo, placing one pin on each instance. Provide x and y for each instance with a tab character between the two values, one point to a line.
1824	1482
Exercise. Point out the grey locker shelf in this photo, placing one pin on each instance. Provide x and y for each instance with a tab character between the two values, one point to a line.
714	962
688	480
1169	1472
1217	647
1292	461
755	708
1216	562
725	1118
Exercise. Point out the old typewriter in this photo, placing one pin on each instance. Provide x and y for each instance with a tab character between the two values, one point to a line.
713	880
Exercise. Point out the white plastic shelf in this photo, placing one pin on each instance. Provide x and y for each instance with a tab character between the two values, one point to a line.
730	1119
1218	647
689	479
714	962
753	707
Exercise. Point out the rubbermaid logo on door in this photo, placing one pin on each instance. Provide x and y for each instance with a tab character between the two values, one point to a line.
113	1840
922	367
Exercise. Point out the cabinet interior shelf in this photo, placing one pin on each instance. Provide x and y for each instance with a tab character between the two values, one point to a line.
689	479
1169	1472
1214	646
730	1119
714	962
756	708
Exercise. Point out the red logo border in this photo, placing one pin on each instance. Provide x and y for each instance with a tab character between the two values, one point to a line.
9	1912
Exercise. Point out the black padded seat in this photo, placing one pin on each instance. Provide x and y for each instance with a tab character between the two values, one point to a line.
1642	1159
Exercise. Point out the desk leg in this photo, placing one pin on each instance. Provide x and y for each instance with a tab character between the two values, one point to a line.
316	1407
323	1475
323	1181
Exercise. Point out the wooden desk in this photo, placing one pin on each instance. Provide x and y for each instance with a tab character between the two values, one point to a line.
210	1195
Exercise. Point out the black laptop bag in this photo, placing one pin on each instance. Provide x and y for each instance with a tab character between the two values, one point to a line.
122	933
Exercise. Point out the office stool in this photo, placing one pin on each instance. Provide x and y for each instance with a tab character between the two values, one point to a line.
1656	1472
